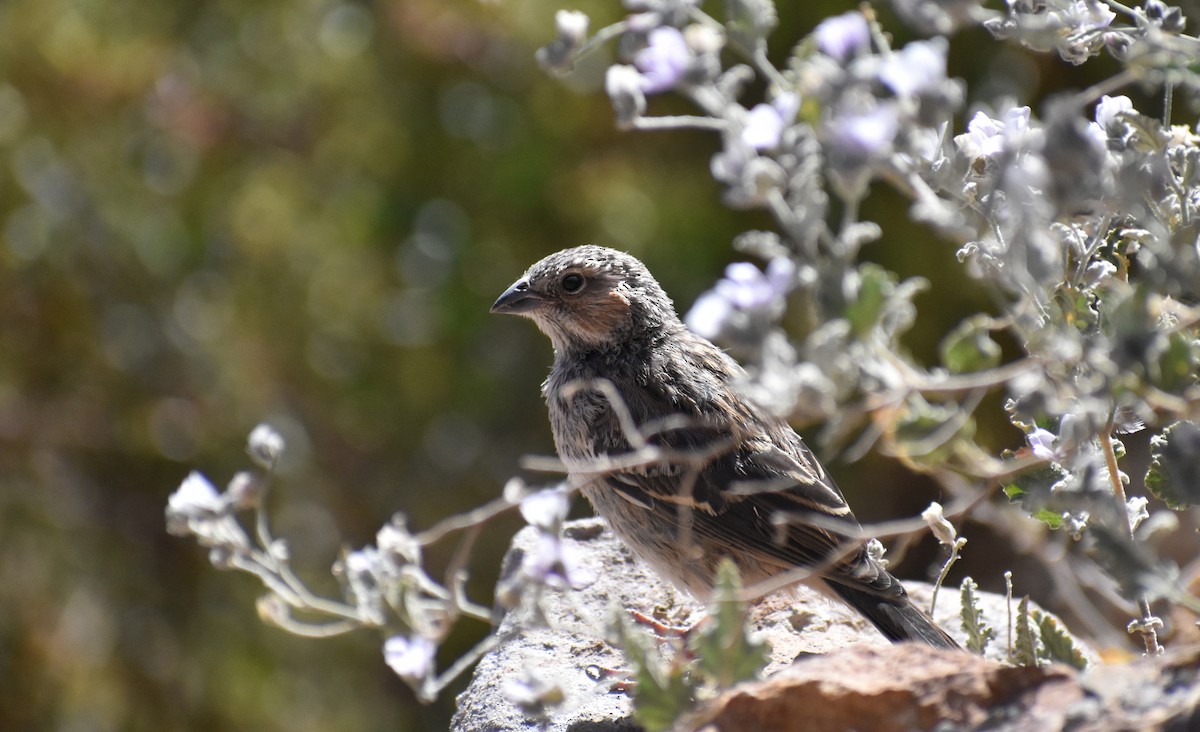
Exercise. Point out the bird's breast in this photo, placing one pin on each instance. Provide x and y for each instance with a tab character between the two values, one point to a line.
580	423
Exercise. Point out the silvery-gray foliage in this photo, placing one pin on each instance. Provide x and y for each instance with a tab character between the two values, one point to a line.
1082	222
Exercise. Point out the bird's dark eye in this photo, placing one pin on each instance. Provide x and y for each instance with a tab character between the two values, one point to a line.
572	283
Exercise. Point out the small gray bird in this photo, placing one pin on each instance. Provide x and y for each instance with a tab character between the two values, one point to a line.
649	423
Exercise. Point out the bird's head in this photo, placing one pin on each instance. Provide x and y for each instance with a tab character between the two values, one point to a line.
589	298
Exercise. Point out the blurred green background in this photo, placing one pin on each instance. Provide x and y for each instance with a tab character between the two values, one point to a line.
219	213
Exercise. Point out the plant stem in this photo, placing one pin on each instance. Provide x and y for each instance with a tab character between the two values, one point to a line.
1147	624
954	550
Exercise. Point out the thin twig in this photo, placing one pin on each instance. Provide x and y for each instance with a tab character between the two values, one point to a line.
314	630
1105	86
602	36
297	596
680	122
1145	625
955	548
433	686
461	521
948	429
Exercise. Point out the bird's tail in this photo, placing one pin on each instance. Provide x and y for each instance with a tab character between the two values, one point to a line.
897	618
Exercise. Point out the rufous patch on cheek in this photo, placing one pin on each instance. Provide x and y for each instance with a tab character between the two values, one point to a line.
597	320
620	294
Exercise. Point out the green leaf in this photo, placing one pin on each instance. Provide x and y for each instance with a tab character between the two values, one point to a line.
1025	649
664	692
725	654
749	22
979	633
1033	489
875	284
722	650
1174	474
1050	518
873	300
1077	308
969	347
1057	646
1179	363
923	430
659	702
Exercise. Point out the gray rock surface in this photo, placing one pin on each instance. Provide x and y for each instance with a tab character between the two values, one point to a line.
550	655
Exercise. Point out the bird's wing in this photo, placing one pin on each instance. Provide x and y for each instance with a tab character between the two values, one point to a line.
765	497
735	475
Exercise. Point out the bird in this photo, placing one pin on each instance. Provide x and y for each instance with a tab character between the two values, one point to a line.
650	425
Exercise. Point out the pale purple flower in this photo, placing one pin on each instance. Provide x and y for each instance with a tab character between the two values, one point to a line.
196	508
1109	107
744	288
554	564
1066	428
986	137
863	134
1096	134
1087	15
663	61
843	36
747	287
766	122
410	658
751	178
917	67
545	509
926	142
708	315
265	445
195	497
1108	124
623	84
1042	442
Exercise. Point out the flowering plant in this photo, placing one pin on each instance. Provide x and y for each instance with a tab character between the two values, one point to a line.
1081	221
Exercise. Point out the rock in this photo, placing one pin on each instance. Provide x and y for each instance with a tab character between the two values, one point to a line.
547	650
910	687
559	652
898	688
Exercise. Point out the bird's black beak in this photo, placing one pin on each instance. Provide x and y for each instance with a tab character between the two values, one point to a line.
517	299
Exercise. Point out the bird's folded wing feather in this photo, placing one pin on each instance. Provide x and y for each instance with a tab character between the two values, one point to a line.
759	500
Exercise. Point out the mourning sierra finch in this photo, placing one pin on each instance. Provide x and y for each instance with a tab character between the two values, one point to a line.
648	420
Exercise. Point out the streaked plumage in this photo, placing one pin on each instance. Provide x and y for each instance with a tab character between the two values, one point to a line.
647	420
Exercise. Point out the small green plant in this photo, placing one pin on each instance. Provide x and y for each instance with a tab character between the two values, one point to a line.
1057	646
714	655
979	633
1025	649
